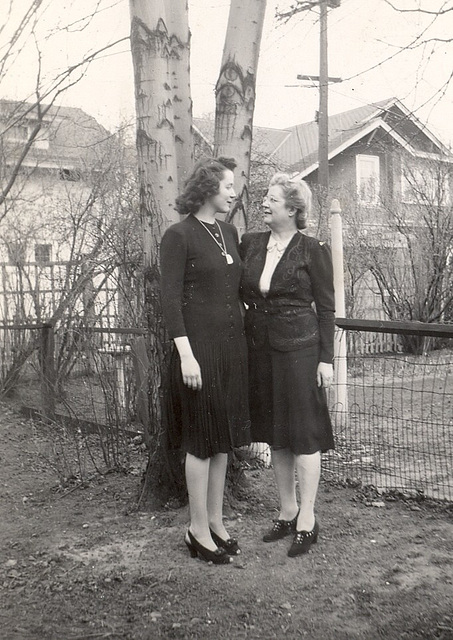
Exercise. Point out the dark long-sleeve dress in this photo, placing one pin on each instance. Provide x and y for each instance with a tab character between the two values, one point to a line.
287	338
200	300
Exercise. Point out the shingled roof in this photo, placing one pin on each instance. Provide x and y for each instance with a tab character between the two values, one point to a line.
70	135
296	148
299	152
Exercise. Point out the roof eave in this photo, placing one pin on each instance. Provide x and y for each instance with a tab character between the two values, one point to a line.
372	127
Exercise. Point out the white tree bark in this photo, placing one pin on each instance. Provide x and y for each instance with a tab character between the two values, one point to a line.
152	48
235	95
177	14
160	50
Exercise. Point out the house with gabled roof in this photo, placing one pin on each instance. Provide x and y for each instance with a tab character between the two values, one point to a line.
67	138
389	120
55	164
51	154
371	148
394	180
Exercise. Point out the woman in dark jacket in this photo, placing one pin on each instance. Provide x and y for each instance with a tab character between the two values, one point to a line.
288	290
207	408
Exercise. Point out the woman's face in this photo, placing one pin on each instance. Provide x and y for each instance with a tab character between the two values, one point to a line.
223	200
276	214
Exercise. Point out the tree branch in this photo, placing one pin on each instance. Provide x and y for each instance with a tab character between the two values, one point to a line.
56	89
438	12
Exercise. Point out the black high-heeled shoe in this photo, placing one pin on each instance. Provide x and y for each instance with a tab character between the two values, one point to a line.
303	541
231	545
219	556
281	529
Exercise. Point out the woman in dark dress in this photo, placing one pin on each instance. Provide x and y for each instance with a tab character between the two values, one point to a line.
290	352
207	407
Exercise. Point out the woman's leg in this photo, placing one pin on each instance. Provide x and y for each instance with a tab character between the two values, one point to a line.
197	478
283	461
308	473
216	490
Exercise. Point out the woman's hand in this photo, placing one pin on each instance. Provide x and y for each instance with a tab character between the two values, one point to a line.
324	374
190	369
191	372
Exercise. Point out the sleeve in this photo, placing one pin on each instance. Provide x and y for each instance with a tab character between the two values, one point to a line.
243	245
235	235
321	276
173	255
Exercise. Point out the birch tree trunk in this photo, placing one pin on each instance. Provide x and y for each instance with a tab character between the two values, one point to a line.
235	96
153	47
180	86
160	61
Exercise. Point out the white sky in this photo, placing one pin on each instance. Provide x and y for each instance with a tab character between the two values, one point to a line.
362	33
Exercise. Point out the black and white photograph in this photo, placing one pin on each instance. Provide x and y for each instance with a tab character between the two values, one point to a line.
226	319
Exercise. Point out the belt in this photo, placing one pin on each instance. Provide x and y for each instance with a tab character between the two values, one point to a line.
276	306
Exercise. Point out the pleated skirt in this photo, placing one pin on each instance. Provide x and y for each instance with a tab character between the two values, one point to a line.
216	418
287	408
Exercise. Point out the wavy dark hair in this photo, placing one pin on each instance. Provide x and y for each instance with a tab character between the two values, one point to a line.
203	182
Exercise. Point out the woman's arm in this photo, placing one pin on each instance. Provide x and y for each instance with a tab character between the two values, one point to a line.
173	257
243	244
321	276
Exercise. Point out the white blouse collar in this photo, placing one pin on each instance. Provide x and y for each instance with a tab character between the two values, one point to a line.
277	245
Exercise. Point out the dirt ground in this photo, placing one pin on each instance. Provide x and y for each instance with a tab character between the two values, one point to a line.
84	563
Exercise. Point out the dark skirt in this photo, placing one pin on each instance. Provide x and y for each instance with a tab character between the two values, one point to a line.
287	408
216	418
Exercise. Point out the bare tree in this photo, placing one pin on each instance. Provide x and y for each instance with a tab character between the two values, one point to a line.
180	87
428	39
159	41
89	228
40	107
154	50
442	9
405	256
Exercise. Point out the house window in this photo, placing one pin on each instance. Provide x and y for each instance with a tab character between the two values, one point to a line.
43	253
73	175
17	132
41	143
17	253
424	185
367	171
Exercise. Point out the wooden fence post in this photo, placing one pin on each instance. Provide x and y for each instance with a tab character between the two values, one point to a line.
48	372
141	367
340	352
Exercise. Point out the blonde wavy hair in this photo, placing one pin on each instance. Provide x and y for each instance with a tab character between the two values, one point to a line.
297	194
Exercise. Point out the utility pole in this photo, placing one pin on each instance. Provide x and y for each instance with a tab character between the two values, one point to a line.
323	113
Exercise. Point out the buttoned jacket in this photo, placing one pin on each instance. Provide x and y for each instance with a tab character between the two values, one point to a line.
299	309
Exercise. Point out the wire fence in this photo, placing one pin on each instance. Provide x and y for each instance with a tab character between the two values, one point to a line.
84	373
84	385
393	426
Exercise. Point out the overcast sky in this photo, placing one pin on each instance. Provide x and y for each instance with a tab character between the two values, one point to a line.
366	38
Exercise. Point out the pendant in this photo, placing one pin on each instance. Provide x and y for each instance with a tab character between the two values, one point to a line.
229	259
